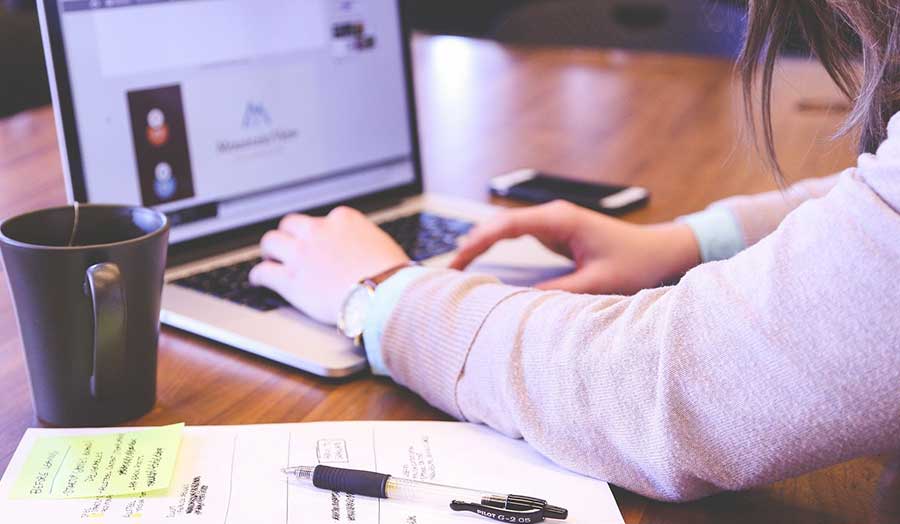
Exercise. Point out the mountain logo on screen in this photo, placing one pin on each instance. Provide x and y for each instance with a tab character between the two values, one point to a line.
258	131
255	115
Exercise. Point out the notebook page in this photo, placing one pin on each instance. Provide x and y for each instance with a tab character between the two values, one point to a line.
231	475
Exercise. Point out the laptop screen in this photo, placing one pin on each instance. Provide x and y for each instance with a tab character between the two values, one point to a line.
223	113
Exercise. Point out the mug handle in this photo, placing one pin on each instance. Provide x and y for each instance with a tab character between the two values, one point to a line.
103	284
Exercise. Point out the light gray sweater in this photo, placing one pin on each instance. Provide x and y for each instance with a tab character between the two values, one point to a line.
780	360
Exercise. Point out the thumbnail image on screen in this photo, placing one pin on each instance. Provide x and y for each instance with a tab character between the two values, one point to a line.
160	144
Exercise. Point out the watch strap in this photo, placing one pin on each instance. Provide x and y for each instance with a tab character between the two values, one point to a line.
375	281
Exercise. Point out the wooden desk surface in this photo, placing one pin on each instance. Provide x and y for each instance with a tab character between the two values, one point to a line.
668	123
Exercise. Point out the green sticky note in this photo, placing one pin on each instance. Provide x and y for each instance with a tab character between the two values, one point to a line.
100	465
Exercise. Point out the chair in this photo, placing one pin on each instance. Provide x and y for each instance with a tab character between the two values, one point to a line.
684	26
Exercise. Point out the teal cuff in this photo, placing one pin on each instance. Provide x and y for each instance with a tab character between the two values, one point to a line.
387	294
718	233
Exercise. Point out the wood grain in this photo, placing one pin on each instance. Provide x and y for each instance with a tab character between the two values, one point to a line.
670	123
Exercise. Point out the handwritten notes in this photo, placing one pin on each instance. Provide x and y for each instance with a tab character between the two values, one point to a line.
100	465
232	475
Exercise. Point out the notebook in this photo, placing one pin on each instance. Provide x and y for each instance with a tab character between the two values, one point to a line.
232	475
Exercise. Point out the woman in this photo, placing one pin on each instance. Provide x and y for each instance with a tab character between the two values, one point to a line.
777	352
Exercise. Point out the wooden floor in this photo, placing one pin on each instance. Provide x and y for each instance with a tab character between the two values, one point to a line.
669	123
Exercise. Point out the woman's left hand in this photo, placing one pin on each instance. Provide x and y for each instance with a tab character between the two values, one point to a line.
314	262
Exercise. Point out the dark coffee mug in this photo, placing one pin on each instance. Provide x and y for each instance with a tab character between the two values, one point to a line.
87	285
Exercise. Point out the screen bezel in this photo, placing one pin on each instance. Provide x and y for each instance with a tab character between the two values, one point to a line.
70	148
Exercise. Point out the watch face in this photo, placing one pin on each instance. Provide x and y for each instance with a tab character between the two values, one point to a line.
355	311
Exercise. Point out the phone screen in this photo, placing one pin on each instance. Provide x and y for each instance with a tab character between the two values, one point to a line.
565	188
536	187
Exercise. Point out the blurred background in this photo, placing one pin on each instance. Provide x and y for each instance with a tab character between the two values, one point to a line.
710	27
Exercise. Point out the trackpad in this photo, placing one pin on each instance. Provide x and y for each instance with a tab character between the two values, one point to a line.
522	262
520	276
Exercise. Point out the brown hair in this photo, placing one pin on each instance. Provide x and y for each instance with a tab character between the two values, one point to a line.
866	68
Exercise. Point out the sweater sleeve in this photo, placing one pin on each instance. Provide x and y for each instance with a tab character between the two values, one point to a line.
758	215
728	226
778	361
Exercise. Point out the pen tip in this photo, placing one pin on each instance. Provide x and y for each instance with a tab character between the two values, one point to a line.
301	472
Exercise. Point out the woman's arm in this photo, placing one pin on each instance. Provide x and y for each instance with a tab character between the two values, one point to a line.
729	226
615	257
778	361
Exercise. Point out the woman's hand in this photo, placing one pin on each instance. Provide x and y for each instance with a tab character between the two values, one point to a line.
611	256
314	262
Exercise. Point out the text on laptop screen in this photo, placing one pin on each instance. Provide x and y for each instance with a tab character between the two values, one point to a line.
227	112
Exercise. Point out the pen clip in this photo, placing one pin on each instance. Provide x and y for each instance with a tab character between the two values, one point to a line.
527	516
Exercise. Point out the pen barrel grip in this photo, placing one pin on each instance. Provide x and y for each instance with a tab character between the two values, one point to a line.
365	483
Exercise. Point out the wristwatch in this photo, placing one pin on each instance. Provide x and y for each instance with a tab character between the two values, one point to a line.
358	304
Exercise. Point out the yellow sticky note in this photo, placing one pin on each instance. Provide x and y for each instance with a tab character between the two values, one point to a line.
100	465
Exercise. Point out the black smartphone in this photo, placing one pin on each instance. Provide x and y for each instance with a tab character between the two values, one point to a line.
531	185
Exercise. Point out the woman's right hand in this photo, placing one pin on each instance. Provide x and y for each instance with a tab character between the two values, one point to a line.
611	256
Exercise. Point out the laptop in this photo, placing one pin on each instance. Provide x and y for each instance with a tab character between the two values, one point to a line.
228	114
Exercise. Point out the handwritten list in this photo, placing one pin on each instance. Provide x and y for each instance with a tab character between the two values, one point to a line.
100	465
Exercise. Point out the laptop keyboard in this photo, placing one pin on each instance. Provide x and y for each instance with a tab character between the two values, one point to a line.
422	236
232	283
